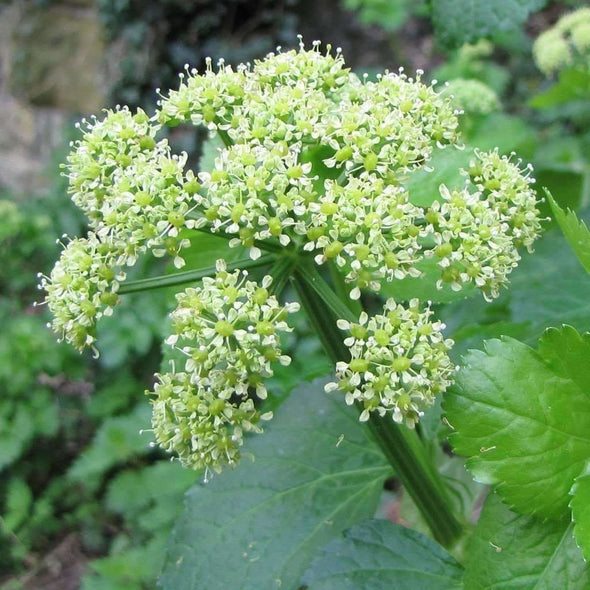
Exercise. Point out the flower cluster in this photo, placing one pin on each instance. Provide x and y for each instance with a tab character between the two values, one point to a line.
478	230
82	287
133	190
398	363
472	96
565	44
202	429
229	332
316	157
315	161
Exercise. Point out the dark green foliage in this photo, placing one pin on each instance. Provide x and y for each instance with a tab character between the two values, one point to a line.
157	39
465	21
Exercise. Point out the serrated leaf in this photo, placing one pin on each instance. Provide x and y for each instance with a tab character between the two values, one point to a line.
473	336
575	231
523	419
316	473
580	506
463	21
380	555
514	552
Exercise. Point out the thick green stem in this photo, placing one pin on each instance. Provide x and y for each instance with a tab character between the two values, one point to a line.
189	276
406	454
281	272
402	447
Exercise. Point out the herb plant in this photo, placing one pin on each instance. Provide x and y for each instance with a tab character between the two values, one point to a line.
311	209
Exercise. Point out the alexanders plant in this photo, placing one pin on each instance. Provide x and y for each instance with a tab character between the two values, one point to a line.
312	175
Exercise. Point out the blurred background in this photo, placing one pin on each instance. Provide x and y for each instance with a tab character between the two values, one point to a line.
85	502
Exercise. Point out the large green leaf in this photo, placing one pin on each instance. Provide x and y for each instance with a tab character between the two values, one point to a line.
514	552
523	418
315	473
580	506
463	21
506	132
381	555
575	231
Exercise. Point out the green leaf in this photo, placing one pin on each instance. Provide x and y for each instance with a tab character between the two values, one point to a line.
133	493
576	232
513	552
580	506
463	21
523	418
316	472
424	287
132	569
505	132
380	555
473	336
562	180
443	168
550	288
206	248
209	152
387	15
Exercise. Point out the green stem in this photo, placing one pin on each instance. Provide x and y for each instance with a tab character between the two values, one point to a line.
405	452
401	446
320	317
280	272
309	273
224	136
189	276
343	290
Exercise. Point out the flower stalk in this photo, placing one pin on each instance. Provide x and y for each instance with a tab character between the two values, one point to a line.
188	276
401	446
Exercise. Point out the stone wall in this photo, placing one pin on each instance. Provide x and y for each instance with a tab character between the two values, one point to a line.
51	71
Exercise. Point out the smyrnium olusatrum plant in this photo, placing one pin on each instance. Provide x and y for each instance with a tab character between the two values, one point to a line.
312	176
